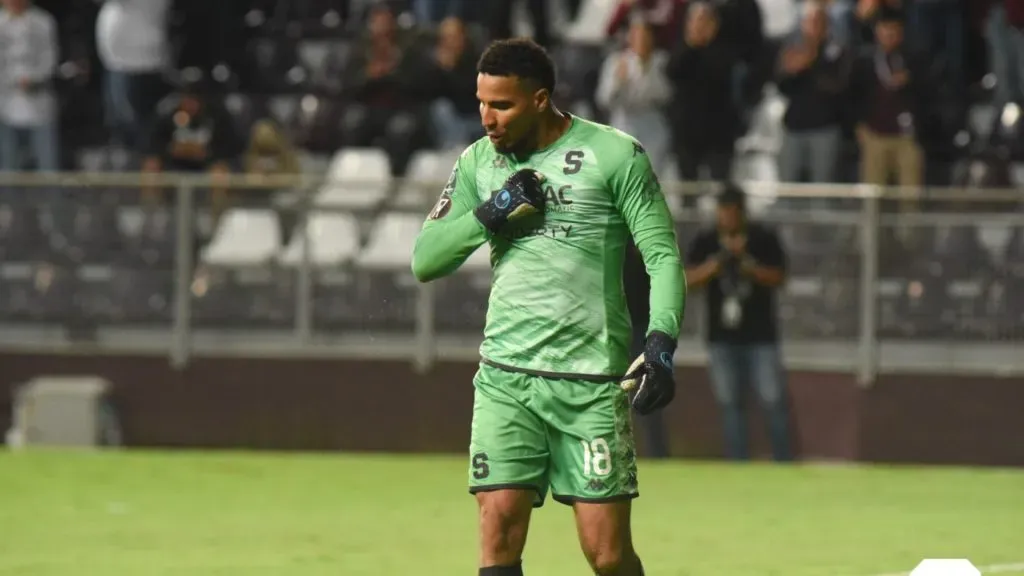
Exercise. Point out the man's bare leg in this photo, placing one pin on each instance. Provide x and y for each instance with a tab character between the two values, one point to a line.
504	520
606	538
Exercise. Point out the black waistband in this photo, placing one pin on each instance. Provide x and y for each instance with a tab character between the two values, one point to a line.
595	378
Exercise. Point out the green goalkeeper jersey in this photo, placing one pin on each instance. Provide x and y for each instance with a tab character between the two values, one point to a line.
557	306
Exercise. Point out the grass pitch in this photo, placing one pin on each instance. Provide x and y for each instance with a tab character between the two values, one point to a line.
234	514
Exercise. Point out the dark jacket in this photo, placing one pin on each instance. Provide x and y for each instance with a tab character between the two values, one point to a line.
703	102
457	85
865	87
817	94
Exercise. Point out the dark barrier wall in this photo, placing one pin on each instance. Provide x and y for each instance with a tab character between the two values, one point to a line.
385	406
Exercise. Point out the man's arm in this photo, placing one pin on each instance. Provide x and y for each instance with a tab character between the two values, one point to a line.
451	232
640	200
701	263
770	270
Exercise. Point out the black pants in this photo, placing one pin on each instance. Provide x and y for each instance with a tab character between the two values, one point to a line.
501	20
690	158
638	292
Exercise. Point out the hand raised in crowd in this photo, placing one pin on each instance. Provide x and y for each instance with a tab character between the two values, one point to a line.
736	244
382	62
899	79
796	59
622	69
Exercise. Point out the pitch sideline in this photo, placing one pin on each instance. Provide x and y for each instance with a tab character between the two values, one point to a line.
990	569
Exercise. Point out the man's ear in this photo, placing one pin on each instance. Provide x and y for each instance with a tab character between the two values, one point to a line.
542	99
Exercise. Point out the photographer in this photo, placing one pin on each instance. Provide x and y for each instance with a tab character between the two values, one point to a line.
742	263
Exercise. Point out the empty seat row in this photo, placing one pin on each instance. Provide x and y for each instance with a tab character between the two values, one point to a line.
361	179
252	237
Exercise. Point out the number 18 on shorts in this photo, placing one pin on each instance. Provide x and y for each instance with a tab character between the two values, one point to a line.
572	438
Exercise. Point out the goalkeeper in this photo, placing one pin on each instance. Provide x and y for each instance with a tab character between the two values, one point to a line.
555	198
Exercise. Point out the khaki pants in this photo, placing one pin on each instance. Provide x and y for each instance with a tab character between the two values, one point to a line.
885	156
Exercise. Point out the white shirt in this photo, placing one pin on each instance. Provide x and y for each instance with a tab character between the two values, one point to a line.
28	51
645	88
635	104
131	35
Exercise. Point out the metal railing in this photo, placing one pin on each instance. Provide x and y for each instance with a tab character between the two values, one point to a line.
881	280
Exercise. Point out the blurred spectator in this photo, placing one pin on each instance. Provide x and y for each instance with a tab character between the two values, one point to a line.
269	152
741	264
865	13
634	90
1004	31
132	43
742	27
664	16
703	112
192	132
28	103
813	75
889	91
841	20
455	112
385	84
936	29
501	19
434	11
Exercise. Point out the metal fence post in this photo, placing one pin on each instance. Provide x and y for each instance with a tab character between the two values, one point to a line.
304	288
868	350
184	220
426	338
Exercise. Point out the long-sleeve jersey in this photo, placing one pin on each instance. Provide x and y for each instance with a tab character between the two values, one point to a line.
556	305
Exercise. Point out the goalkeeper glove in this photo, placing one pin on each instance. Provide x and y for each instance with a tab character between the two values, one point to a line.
650	375
521	195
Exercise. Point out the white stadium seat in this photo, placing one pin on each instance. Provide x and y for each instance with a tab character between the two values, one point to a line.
428	172
357	179
333	240
391	242
245	236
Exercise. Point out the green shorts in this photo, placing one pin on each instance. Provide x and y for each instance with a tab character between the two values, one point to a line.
570	436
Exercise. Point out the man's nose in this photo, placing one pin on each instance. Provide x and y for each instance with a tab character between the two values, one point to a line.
487	119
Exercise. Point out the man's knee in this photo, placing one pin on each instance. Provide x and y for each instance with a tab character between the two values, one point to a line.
605	537
768	374
504	518
610	559
725	370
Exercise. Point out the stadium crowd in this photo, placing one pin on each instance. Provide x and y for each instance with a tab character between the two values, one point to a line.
877	90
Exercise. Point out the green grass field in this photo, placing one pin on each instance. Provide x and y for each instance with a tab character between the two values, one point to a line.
231	514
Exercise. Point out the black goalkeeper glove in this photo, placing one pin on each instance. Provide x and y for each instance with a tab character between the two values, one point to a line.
650	377
520	196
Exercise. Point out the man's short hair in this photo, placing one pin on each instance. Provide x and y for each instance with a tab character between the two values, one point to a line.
520	57
732	195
